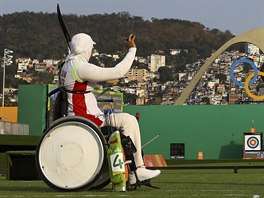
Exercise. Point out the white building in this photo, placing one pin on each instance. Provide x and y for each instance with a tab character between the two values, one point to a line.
141	59
252	49
175	51
181	75
156	61
22	66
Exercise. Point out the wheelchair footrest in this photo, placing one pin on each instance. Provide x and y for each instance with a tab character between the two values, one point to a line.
141	183
147	183
128	162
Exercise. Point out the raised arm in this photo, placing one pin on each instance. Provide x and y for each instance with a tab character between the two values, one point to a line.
93	73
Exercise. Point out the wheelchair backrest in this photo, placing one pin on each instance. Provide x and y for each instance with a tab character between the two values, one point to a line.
61	103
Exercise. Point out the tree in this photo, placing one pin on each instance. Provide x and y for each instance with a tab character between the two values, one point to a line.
222	77
165	74
39	34
129	98
261	85
155	101
205	100
262	70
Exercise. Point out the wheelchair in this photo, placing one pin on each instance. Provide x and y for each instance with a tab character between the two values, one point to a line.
72	153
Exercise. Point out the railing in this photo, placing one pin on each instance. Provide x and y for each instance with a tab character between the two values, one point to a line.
11	128
236	168
213	164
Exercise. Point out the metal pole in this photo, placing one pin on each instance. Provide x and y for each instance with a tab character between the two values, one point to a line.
7	60
3	94
150	141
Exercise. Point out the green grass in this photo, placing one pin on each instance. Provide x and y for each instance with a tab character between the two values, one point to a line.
172	183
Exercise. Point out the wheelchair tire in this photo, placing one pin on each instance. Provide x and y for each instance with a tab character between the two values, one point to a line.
71	155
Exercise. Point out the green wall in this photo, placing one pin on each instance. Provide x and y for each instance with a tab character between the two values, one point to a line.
216	130
32	101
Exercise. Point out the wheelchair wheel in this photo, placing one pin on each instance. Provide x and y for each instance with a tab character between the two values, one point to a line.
71	155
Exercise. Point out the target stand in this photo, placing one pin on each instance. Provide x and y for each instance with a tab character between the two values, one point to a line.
253	146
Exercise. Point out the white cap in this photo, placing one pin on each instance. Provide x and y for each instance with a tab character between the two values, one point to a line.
81	43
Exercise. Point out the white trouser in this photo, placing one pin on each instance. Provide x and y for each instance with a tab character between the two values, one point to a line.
131	128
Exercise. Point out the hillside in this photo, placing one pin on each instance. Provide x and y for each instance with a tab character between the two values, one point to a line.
39	35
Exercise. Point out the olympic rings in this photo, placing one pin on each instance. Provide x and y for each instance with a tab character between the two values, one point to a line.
249	80
231	73
247	88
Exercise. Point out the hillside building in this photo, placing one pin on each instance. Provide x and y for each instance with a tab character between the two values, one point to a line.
156	61
139	75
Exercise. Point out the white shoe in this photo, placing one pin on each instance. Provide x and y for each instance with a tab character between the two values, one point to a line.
143	174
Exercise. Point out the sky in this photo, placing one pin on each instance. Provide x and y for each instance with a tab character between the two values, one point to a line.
237	16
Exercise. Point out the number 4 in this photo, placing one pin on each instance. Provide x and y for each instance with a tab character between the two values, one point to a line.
119	163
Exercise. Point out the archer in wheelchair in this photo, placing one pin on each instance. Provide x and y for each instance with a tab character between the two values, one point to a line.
86	148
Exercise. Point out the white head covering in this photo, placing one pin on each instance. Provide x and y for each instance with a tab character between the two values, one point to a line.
81	43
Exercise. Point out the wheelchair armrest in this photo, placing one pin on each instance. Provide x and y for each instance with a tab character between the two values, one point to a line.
56	90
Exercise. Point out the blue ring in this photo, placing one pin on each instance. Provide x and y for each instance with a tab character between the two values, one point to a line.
244	60
250	145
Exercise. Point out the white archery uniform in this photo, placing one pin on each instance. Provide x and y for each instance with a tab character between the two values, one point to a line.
80	76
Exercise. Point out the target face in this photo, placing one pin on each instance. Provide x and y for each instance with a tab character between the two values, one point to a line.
252	142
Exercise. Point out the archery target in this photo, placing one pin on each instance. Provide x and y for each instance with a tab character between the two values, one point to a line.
252	142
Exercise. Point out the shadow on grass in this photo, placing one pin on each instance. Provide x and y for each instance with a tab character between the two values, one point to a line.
43	189
208	183
26	189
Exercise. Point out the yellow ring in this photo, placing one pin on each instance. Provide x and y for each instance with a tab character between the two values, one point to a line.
247	88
